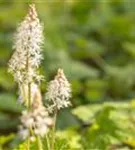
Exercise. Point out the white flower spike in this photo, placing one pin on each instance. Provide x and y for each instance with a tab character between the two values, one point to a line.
37	121
27	45
59	91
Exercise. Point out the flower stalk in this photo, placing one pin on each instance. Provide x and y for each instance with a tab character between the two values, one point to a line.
58	95
29	96
54	128
39	143
24	65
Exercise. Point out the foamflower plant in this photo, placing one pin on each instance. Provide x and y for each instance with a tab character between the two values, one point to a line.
35	121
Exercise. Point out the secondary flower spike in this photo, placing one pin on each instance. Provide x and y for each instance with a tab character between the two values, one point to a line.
37	121
59	91
27	45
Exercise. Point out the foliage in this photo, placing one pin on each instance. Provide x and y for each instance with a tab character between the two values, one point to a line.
93	41
108	125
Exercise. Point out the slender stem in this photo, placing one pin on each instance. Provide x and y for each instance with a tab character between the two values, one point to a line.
29	107
29	96
39	143
28	144
54	128
48	142
29	93
29	84
23	93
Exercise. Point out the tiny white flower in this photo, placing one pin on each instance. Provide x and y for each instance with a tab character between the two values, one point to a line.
48	121
43	131
59	91
37	132
23	133
32	139
29	122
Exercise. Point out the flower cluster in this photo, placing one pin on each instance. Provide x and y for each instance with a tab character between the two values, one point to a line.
59	91
34	123
28	41
23	64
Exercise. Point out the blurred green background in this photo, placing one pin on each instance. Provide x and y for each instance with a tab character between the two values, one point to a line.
94	42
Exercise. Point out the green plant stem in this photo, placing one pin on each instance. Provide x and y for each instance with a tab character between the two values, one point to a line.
28	144
29	95
39	143
53	129
48	142
29	84
29	106
23	92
